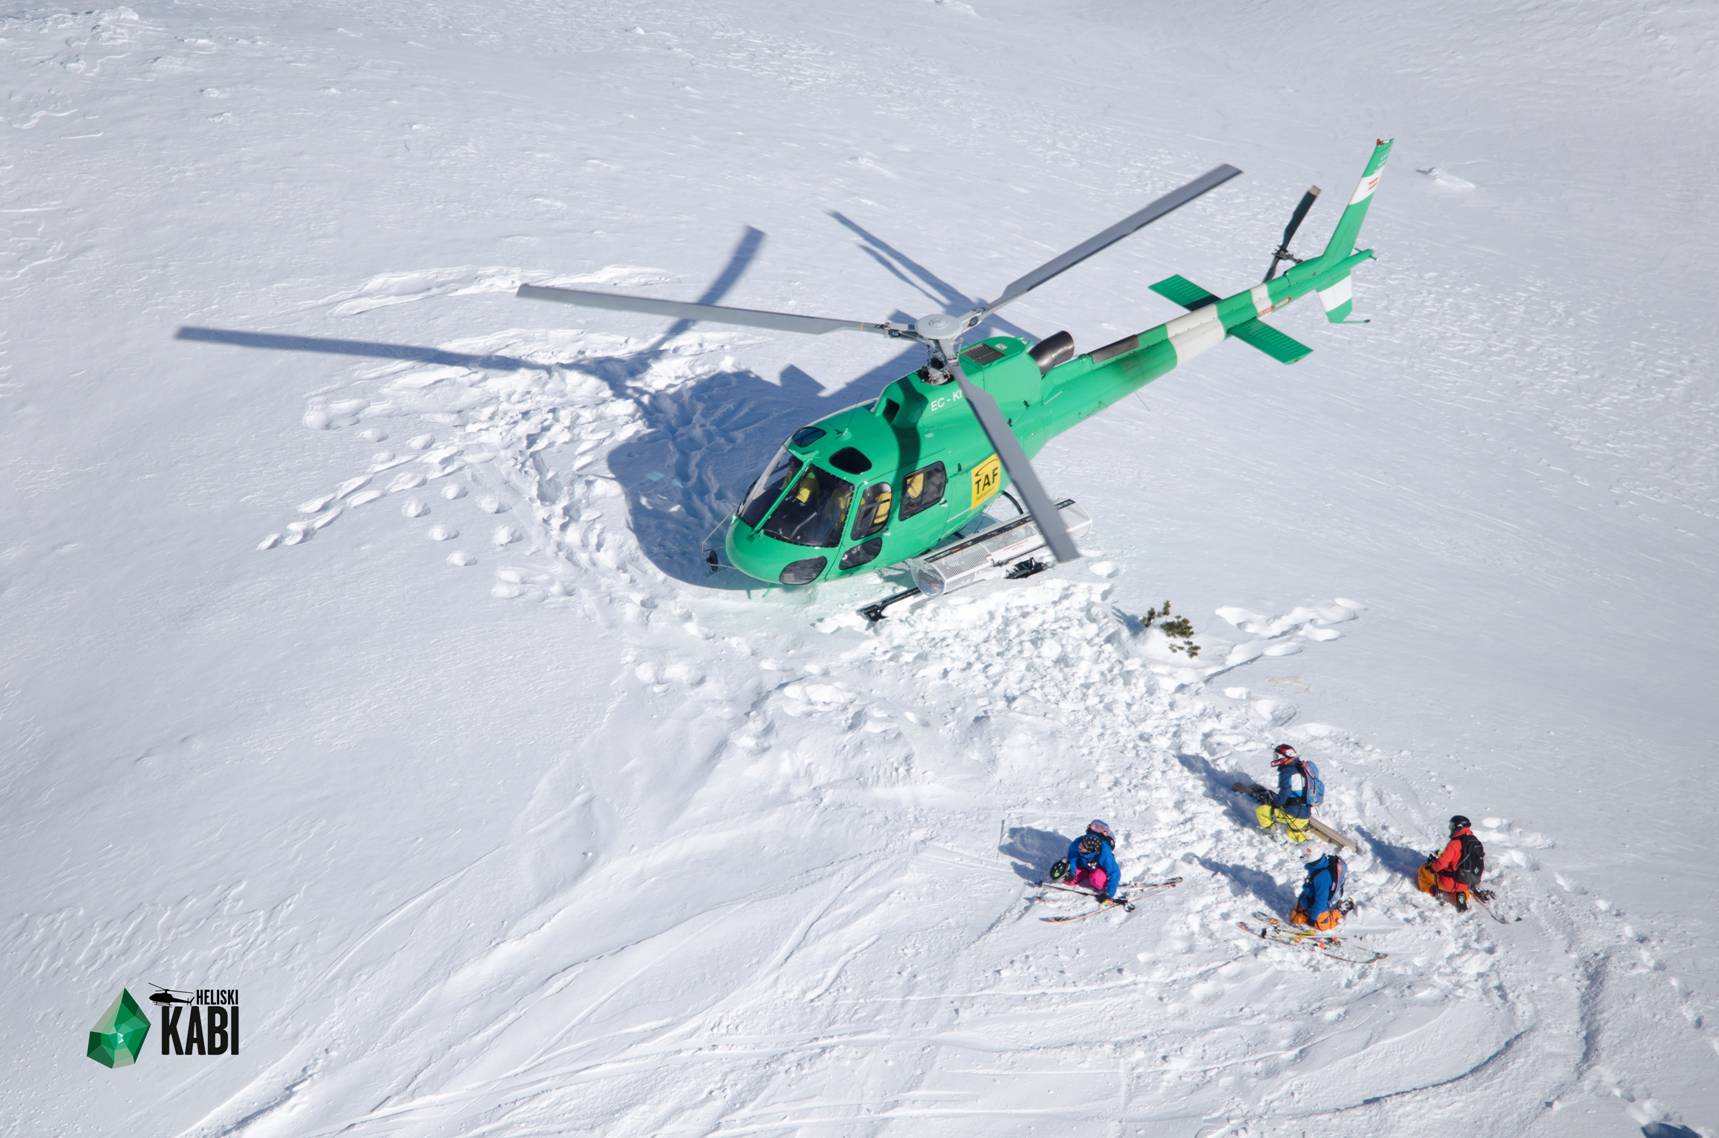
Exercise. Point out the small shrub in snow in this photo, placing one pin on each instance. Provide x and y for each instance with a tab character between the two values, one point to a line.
1179	629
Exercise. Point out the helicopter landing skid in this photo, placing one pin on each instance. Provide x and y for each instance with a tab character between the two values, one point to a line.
874	612
1009	550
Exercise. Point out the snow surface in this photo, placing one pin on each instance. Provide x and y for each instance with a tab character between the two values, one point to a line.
361	659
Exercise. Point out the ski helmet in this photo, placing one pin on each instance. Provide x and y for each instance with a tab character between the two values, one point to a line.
1285	755
1458	822
1090	844
1100	827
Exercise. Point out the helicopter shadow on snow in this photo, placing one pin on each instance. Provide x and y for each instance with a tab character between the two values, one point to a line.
1032	850
371	349
702	442
705	440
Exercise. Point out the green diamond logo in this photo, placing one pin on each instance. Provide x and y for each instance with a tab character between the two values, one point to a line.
117	1036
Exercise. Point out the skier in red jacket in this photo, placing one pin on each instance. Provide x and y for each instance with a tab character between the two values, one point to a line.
1455	873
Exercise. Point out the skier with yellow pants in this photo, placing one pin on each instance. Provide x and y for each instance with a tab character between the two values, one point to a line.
1299	790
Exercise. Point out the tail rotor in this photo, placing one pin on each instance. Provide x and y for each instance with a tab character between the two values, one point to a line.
1295	219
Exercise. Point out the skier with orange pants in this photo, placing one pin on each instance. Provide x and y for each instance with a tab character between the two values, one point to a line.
1454	873
1321	904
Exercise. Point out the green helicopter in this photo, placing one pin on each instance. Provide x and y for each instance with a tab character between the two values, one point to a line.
899	475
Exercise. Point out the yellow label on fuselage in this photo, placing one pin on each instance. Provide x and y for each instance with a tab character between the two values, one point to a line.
987	476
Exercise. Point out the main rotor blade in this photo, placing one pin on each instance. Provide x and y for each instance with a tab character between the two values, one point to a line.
1062	262
719	313
1014	459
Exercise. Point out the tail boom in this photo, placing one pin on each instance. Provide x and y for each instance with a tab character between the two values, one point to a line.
1211	319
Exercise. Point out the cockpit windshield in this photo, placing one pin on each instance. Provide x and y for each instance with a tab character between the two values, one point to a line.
813	510
765	491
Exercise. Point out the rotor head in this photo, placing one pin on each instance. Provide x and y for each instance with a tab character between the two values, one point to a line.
940	326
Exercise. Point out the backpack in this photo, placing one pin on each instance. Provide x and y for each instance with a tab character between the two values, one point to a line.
1315	785
1339	873
1339	877
1473	861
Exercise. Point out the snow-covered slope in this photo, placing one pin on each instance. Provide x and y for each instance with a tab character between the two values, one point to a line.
359	656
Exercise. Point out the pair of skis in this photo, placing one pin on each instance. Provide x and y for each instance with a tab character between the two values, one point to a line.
1275	931
1122	901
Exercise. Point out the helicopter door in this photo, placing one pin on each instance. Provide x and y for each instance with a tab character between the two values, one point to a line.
922	489
873	512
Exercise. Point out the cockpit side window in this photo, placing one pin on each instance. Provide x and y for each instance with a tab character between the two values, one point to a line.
922	489
813	510
873	510
768	488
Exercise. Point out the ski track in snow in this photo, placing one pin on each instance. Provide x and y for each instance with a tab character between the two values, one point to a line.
904	985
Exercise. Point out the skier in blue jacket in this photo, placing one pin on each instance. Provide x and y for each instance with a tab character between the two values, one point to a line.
1294	784
1321	903
1091	862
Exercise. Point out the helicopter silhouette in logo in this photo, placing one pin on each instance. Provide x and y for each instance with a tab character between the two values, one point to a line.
164	995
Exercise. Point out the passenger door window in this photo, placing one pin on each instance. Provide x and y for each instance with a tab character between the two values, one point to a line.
873	510
922	489
862	553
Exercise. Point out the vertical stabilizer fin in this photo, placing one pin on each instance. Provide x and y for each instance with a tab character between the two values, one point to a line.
1348	229
1336	290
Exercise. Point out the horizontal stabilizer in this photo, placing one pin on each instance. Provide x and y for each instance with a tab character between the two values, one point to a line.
1280	347
1254	332
1284	349
1184	292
